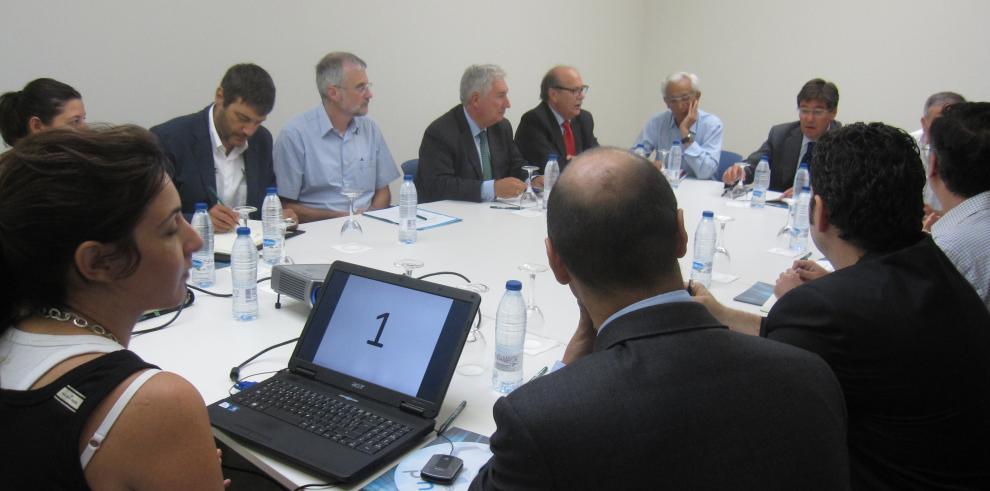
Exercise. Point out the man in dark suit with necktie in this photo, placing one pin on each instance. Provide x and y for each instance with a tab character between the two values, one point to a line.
656	393
222	155
468	153
789	144
558	125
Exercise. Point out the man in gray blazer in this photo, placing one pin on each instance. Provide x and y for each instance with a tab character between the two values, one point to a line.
789	144
656	393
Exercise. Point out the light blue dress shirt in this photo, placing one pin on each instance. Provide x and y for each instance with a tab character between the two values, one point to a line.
701	157
314	162
668	297
487	187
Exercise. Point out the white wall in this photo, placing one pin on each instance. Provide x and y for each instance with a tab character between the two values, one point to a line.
146	62
886	57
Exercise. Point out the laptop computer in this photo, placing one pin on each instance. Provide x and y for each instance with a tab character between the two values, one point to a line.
366	379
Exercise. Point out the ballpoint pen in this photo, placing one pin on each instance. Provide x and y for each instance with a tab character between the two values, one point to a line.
450	419
506	207
539	374
421	217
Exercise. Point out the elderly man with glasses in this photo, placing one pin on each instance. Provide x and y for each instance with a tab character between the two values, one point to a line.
699	132
334	146
558	125
790	144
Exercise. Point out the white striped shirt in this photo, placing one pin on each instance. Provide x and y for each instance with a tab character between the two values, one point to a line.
963	233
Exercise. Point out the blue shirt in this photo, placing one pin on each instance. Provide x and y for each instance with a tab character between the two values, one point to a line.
701	156
314	162
668	297
487	187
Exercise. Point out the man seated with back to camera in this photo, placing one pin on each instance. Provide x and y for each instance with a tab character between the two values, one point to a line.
904	332
656	392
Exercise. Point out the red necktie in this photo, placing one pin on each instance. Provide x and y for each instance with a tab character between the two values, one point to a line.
569	140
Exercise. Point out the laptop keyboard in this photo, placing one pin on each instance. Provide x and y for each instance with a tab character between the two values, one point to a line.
322	415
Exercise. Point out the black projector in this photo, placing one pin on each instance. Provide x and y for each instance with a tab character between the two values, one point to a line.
299	281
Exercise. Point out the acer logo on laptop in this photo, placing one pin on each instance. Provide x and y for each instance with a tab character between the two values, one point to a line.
357	385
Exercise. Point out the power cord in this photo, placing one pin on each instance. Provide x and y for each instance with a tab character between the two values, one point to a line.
235	372
188	300
438	273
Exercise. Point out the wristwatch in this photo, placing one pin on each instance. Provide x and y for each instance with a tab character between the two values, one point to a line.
689	139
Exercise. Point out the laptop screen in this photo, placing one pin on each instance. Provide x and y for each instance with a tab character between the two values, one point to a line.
387	330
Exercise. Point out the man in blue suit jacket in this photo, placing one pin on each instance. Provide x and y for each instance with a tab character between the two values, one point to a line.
222	155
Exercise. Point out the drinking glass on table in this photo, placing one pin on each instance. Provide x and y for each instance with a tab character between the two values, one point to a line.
351	230
474	355
534	315
529	199
408	265
720	240
245	211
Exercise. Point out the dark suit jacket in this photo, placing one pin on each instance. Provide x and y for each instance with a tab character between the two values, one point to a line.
783	146
539	134
670	399
449	167
909	340
186	141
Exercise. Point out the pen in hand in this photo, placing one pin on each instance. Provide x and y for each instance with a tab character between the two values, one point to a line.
542	372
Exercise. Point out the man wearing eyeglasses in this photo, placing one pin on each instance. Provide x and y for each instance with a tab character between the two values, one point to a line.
334	146
699	132
558	125
789	144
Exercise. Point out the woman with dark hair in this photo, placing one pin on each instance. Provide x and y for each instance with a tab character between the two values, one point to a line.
43	104
92	236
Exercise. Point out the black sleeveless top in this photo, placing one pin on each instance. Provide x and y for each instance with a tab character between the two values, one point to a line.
40	429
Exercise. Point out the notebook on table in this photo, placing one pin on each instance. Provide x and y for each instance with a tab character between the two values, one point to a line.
366	379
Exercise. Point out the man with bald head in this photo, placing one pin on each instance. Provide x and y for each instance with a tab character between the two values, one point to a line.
655	391
558	125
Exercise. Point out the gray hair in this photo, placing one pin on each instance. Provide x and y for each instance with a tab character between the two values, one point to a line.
479	78
677	77
942	99
330	70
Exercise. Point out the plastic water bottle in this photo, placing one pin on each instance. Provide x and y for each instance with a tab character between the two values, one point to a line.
704	250
550	174
802	178
203	274
761	181
407	211
271	226
510	335
244	272
639	150
799	233
674	164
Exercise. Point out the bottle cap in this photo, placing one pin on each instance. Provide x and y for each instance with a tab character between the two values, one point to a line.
408	177
765	157
513	285
803	165
677	142
243	231
707	214
805	189
552	156
200	206
271	190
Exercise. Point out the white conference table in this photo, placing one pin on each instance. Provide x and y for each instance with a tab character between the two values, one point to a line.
487	246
